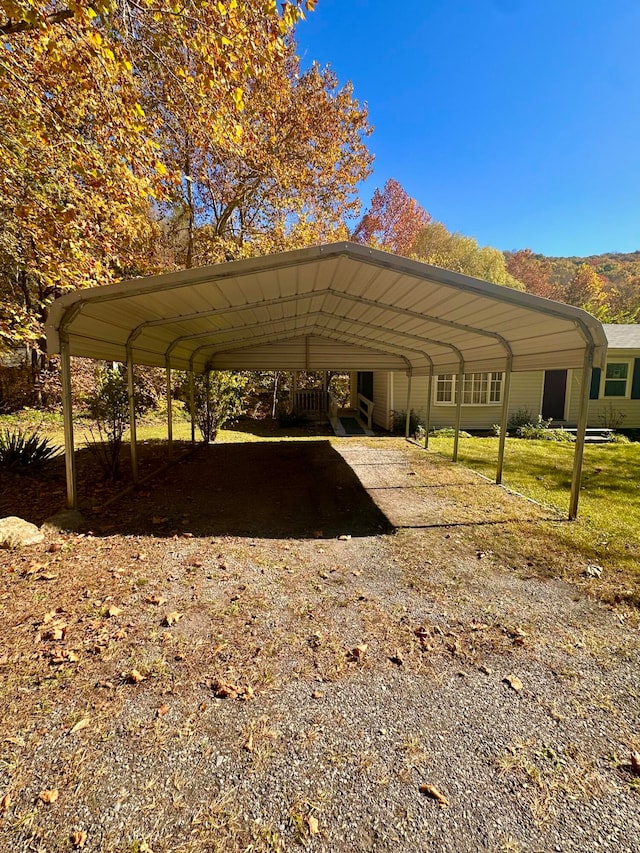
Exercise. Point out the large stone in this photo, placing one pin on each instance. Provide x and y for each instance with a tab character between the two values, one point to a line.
67	520
16	533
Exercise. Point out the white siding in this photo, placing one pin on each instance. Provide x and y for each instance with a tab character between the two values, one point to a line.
526	393
600	410
381	391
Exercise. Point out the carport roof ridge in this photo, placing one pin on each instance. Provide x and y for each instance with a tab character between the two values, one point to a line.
340	306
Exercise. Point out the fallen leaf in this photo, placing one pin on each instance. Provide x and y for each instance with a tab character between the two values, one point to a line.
248	745
114	611
397	658
514	682
314	829
49	796
79	726
157	599
435	794
224	690
162	710
317	694
358	651
135	677
79	838
344	537
173	618
5	802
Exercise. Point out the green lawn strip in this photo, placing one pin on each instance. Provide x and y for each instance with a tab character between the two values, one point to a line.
608	527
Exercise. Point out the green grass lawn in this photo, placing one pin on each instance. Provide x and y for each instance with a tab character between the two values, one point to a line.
608	525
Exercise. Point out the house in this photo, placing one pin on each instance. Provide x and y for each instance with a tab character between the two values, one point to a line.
614	395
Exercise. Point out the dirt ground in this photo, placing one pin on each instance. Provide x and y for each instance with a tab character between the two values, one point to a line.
247	655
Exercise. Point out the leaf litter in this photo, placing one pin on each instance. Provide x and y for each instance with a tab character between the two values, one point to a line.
390	630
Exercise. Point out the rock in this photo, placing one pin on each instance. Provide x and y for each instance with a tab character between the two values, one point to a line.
67	520
16	533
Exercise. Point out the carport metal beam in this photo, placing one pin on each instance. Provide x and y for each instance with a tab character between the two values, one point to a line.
581	432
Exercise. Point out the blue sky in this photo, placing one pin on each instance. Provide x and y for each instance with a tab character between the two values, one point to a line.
513	121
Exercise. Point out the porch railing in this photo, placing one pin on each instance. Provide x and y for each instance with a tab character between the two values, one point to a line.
365	410
311	400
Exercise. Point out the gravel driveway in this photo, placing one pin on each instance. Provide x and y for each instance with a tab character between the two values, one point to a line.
183	684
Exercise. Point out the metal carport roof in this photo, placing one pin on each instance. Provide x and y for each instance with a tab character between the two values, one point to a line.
340	306
337	306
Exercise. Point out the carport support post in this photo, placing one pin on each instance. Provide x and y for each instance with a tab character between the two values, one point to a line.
132	416
459	387
67	412
407	421
169	412
581	432
207	393
504	420
192	406
427	418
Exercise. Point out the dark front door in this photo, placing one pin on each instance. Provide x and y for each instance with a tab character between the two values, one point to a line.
555	394
365	384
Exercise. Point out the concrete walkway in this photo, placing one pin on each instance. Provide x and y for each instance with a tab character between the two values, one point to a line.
416	488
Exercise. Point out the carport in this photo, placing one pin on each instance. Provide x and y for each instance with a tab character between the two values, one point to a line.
337	307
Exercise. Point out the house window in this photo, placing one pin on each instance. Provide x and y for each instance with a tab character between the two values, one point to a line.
445	383
478	389
616	379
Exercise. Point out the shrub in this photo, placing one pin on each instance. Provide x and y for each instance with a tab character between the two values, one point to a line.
108	407
611	417
523	417
542	432
20	450
399	422
219	398
448	432
619	438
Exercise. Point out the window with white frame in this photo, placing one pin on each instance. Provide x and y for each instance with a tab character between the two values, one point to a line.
617	376
478	389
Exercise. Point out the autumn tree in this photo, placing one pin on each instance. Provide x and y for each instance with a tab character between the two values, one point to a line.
436	245
534	271
586	290
288	178
80	163
393	220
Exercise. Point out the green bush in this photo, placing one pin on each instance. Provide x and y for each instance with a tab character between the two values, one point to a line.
619	438
21	450
542	432
448	432
399	422
523	417
219	398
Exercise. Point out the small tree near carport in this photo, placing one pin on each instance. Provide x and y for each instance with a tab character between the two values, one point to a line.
219	398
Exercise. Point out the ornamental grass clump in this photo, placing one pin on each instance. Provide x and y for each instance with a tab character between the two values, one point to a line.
21	450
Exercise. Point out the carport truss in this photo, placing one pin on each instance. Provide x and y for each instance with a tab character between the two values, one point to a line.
337	307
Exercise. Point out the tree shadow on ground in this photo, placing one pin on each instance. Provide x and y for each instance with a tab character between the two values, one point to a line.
292	489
